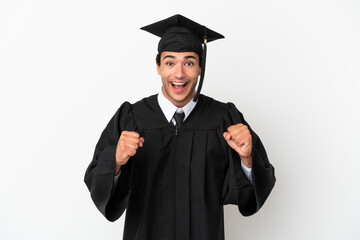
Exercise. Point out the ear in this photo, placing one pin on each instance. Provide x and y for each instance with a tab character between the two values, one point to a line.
199	71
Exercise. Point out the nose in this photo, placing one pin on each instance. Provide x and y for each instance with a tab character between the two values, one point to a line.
179	71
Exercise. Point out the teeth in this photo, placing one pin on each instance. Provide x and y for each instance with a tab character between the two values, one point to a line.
177	83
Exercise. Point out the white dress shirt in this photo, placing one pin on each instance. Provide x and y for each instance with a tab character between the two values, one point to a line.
169	109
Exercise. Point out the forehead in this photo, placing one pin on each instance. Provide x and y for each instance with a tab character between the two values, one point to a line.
179	54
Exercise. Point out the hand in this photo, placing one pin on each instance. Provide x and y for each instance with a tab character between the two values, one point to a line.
239	138
127	145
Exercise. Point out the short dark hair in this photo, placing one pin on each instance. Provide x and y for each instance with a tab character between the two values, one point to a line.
158	56
158	59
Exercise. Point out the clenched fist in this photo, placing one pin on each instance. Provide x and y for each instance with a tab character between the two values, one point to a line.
127	145
239	138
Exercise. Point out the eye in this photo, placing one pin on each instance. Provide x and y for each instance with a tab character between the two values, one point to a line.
189	64
169	64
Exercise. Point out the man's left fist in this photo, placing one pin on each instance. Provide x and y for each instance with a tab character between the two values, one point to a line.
239	138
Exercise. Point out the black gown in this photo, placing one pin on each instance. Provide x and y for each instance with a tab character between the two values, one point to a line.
177	183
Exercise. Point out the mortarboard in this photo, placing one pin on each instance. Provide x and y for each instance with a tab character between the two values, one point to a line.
180	34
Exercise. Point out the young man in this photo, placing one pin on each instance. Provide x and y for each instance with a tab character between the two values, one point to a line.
174	159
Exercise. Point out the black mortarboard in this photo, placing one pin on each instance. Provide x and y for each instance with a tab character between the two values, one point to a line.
180	34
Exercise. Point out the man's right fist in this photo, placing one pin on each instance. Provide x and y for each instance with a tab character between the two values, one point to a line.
127	145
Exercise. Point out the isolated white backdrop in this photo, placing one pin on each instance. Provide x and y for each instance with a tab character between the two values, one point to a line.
291	67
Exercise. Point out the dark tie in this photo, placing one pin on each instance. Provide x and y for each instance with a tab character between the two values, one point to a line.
179	117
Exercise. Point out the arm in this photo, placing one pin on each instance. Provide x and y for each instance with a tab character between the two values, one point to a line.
99	176
246	147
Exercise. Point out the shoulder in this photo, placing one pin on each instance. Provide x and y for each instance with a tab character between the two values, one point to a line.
148	114
213	106
126	114
146	102
143	103
225	112
209	101
216	103
211	109
208	113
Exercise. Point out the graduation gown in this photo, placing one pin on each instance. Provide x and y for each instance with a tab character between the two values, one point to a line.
175	187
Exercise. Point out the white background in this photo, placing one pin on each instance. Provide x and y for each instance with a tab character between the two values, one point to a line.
291	67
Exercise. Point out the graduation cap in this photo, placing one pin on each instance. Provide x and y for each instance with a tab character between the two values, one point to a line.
180	34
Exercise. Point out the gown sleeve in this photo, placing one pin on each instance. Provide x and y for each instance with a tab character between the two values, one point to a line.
237	188
99	176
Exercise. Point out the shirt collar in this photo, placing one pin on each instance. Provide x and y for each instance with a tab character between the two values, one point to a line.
169	109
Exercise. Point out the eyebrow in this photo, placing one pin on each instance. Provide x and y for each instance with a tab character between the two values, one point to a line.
186	57
168	56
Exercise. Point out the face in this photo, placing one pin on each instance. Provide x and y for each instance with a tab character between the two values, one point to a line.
179	73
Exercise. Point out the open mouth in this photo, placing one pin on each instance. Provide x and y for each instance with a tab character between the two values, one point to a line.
178	86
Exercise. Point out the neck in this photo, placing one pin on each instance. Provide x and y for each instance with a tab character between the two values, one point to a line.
178	104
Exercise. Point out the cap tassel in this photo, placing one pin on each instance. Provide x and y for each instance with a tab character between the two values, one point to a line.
197	94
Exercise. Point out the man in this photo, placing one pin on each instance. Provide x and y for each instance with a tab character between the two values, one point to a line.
174	159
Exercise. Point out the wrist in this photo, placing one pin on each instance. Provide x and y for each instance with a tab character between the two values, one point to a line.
247	161
117	169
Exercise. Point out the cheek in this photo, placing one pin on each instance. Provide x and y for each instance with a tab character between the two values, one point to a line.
195	75
165	73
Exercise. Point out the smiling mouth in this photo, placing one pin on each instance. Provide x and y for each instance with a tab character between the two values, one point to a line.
178	85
